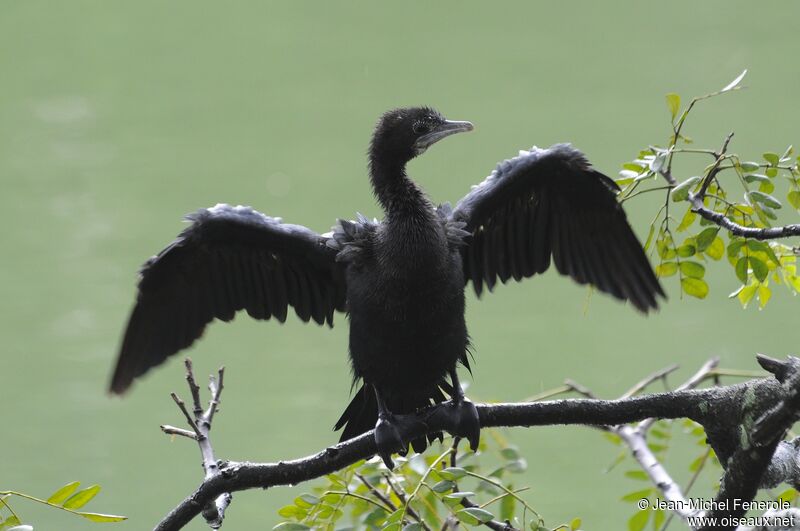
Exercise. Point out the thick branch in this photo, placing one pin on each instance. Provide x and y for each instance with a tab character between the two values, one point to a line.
763	408
760	432
235	476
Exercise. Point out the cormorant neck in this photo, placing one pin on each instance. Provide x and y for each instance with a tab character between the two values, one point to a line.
400	197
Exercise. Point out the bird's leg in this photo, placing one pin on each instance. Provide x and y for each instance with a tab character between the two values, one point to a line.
464	415
387	432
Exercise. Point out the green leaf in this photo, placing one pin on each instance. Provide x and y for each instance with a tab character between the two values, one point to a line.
749	167
474	515
634	167
763	247
735	83
766	187
395	516
794	199
575	524
666	269
97	517
443	486
625	178
306	500
455	498
414	526
741	269
452	473
735	246
789	495
291	526
673	104
771	172
292	511
693	269
716	249
706	238
760	269
745	294
650	237
637	495
81	498
63	493
658	162
765	199
772	158
515	467
658	519
331	498
510	453
764	295
766	212
336	480
12	520
665	249
637	474
694	287
639	520
686	250
687	220
753	177
507	507
681	192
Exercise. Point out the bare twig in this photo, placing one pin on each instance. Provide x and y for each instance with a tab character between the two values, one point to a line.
172	430
658	375
213	510
378	494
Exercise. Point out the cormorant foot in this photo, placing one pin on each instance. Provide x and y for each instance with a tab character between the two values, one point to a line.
392	433
465	421
388	439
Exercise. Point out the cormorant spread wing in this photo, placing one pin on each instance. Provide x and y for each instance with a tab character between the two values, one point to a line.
551	202
228	259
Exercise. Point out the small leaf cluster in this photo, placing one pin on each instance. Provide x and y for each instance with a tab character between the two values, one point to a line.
68	498
742	191
422	492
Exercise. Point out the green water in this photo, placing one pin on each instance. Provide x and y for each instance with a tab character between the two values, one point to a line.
117	118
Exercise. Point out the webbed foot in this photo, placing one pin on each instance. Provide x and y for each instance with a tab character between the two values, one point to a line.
388	439
465	421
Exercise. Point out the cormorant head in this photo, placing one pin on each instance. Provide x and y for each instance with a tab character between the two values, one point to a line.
402	134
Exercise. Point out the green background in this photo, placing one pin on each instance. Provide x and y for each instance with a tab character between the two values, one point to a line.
117	118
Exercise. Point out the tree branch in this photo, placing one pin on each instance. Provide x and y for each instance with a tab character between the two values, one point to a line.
761	408
766	233
213	509
720	219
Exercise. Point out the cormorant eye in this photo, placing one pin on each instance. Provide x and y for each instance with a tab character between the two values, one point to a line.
421	128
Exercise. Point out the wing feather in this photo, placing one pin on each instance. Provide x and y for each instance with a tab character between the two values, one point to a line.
549	204
229	259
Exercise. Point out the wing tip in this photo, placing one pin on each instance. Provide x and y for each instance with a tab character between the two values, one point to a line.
119	384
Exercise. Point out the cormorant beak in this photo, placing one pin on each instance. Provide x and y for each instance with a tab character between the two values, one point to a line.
446	128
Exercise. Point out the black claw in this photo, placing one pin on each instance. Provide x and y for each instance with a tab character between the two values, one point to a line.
387	460
466	422
388	440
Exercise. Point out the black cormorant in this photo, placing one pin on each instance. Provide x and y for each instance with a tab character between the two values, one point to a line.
401	280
